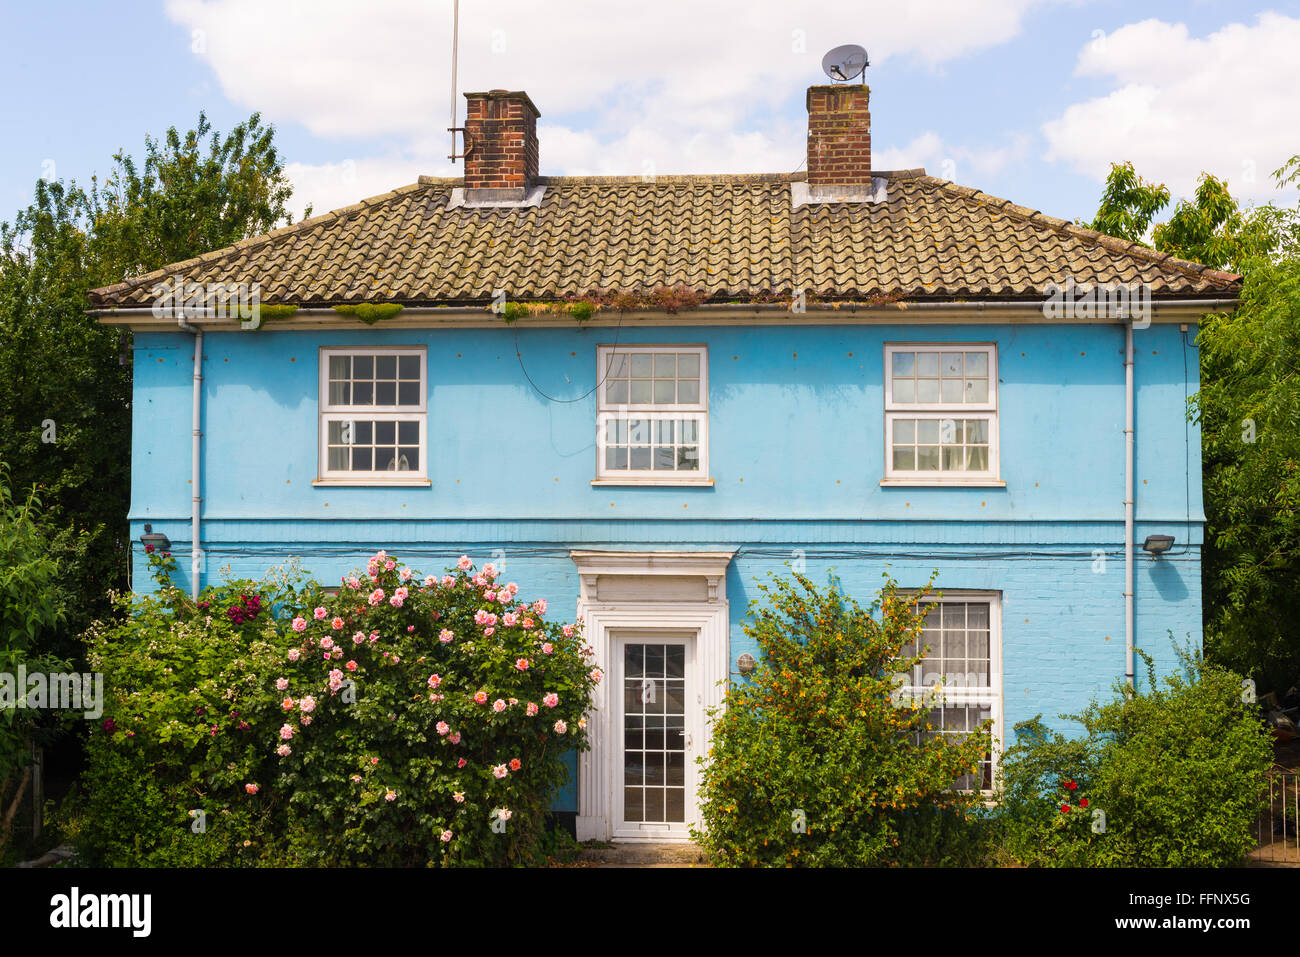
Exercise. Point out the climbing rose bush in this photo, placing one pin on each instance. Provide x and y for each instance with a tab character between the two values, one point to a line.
425	719
404	721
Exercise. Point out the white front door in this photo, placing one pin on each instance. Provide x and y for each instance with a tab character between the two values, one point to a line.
657	721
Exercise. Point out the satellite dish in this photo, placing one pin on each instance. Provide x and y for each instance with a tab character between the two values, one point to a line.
846	62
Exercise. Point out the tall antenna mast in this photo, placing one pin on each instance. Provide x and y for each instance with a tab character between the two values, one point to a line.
455	47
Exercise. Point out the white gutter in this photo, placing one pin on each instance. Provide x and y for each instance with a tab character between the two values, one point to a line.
1129	543
196	447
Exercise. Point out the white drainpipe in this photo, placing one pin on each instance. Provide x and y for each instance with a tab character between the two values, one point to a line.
1129	543
196	447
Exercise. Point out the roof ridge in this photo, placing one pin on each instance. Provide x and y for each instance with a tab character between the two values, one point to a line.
1112	243
254	242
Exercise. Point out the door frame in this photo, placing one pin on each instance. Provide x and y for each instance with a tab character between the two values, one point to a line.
693	727
693	599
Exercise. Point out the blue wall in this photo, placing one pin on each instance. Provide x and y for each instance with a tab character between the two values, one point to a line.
796	449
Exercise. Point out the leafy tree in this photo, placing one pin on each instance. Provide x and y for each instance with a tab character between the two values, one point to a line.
817	760
31	605
65	419
1248	406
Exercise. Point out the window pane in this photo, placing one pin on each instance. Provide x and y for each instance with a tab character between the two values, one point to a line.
954	458
363	393
363	433
905	458
927	431
340	393
334	434
641	364
690	430
616	432
408	459
617	365
665	457
977	363
361	459
385	367
927	390
688	391
408	367
952	365
363	367
616	391
950	431
340	366
338	459
688	365
639	431
665	391
640	391
663	430
615	458
977	390
927	458
904	431
977	431
385	393
978	458
904	390
688	458
927	363
385	433
952	390
408	393
904	363
384	459
408	433
639	457
665	365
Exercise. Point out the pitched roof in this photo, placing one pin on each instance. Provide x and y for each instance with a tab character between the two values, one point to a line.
732	237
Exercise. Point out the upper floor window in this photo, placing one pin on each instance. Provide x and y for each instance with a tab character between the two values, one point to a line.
652	418
373	422
941	418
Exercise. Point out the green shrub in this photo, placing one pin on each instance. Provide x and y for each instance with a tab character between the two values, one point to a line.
310	729
814	761
1177	770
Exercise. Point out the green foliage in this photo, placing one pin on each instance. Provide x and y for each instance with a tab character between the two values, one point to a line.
1176	769
370	312
62	368
818	730
1128	204
276	312
513	311
346	729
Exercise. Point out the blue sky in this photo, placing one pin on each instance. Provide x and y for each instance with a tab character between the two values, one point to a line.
1026	99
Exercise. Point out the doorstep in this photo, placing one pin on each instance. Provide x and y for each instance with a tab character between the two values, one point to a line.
642	854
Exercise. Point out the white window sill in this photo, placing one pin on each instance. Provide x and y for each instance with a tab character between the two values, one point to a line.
373	482
630	481
943	483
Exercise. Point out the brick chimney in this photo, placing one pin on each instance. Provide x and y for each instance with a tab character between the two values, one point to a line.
500	142
839	136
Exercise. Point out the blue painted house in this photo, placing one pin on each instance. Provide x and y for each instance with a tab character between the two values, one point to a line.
845	369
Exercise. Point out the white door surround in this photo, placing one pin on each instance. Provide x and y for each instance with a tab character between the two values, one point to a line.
646	592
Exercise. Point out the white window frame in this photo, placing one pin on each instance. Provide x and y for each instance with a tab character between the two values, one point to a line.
697	411
990	697
328	413
938	411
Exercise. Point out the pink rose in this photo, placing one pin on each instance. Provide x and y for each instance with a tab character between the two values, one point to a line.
539	606
307	704
461	763
528	623
547	647
515	764
568	631
435	680
306	719
376	596
390	796
281	684
551	699
320	613
521	664
284	750
480	697
327	643
354	582
454	738
596	674
286	732
374	760
480	617
445	636
498	706
448	581
389	566
336	623
405	574
464	564
503	597
442	727
251	788
294	654
561	727
430	581
531	709
459	797
351	666
499	771
300	624
287	704
446	836
509	619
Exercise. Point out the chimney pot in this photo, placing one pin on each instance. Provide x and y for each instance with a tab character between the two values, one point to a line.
500	140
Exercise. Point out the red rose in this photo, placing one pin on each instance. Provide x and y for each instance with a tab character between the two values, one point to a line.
1071	784
148	548
1065	809
1083	802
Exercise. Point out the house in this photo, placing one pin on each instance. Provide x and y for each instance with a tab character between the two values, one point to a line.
858	371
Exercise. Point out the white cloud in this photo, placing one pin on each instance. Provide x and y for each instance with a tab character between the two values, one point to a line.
1181	105
963	164
677	86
